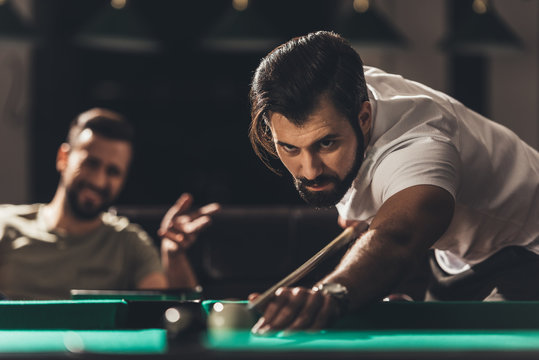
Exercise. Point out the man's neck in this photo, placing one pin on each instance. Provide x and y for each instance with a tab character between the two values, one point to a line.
58	216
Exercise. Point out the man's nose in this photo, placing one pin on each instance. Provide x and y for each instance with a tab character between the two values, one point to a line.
99	177
311	166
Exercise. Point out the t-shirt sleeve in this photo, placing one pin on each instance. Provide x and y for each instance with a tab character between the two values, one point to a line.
144	257
424	162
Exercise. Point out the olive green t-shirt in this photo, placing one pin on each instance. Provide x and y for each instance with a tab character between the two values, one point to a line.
36	263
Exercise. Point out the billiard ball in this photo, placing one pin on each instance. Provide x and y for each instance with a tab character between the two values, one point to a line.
177	320
230	316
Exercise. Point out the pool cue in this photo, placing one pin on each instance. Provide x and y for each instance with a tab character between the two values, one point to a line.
344	238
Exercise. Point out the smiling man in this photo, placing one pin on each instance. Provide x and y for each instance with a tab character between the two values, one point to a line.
411	165
74	243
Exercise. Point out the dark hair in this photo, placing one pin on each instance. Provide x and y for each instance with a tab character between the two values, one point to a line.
292	78
104	122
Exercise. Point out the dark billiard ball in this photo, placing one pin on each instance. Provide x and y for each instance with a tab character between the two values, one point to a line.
397	298
177	320
184	321
230	316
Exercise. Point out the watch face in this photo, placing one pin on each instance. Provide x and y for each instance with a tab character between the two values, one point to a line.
334	289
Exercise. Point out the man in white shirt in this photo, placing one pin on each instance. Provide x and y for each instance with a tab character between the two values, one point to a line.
415	167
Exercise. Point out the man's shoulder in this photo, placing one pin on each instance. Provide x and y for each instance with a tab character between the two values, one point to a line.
119	223
374	75
122	225
395	87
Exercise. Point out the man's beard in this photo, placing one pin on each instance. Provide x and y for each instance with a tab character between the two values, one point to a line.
87	210
331	197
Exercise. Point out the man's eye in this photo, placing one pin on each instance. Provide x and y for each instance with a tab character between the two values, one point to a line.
113	171
92	163
288	148
327	144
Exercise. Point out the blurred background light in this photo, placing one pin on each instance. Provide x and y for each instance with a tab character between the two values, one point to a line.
476	28
243	27
365	27
12	27
118	28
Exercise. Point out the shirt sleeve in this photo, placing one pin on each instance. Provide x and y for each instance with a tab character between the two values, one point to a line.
423	162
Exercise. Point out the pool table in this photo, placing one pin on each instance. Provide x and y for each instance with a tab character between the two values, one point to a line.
117	329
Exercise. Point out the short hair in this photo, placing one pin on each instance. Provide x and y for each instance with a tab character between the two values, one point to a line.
292	78
104	122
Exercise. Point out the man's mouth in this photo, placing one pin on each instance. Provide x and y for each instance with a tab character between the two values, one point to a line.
323	182
92	194
319	187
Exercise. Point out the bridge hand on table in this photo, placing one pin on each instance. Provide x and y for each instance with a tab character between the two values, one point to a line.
296	308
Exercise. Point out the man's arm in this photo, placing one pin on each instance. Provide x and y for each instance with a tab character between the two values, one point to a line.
399	236
401	233
179	230
178	272
155	280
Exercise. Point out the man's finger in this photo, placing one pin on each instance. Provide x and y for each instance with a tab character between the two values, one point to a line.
193	226
309	312
274	307
183	203
204	210
288	314
170	246
174	236
326	314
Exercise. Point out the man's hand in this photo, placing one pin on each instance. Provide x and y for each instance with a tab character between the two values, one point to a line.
179	230
180	227
296	309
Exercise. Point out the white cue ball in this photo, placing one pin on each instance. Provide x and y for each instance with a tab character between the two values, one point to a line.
230	316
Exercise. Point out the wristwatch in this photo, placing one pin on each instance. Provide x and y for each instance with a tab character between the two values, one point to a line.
338	292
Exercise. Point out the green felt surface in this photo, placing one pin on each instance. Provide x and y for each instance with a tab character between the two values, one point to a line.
94	326
139	295
94	341
472	315
377	340
63	314
403	326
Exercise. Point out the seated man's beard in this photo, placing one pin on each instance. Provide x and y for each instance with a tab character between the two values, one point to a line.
328	198
87	211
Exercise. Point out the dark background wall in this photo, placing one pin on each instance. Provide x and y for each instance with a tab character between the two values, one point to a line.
189	106
189	103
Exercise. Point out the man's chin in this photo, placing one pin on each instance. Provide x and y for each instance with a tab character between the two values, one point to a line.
320	199
88	212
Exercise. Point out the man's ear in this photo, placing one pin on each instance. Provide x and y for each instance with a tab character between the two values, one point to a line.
62	156
365	120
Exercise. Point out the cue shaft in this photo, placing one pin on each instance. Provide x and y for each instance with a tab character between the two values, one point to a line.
342	239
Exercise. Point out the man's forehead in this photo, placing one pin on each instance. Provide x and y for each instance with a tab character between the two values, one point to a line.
112	150
315	126
89	138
